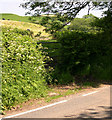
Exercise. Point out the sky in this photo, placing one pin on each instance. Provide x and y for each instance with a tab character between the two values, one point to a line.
12	6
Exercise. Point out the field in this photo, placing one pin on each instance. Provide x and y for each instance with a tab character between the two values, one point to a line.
15	17
24	26
24	23
36	28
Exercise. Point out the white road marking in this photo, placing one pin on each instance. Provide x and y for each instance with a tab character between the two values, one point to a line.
90	93
35	109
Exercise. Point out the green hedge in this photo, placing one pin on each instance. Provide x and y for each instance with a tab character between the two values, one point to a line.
85	54
23	72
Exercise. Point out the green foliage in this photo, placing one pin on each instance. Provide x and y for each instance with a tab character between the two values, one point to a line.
73	49
35	19
83	24
65	78
23	73
22	32
0	72
52	24
104	23
89	16
64	12
61	76
85	54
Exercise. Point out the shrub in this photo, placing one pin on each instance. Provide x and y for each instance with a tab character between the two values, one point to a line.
85	54
23	72
20	31
73	49
61	77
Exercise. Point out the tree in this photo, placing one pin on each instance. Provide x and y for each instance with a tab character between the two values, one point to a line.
89	16
105	23
64	12
83	24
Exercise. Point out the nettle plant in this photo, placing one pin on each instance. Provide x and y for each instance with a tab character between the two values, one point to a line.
23	72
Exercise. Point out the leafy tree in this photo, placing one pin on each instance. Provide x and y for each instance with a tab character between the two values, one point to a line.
105	23
64	12
83	24
65	9
89	16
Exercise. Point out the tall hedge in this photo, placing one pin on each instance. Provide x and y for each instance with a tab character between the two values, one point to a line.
85	54
23	72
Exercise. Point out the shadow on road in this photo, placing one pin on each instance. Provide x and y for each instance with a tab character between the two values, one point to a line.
101	112
91	81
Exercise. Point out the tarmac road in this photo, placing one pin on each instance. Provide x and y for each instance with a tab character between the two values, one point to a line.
94	104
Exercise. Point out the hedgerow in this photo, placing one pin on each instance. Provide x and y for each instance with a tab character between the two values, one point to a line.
85	54
23	68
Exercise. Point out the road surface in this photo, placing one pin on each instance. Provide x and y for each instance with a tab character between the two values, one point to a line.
94	104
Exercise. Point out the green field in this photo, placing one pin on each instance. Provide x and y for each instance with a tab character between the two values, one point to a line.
24	26
15	17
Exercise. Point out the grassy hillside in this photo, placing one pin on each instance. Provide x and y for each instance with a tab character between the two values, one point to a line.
24	26
15	17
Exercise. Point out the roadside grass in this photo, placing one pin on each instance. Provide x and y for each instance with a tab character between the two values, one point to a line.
70	89
49	99
60	92
88	82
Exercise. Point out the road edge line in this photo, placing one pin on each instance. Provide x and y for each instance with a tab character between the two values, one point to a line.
33	110
90	93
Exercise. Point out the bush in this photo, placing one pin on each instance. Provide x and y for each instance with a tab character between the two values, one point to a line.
23	72
85	54
73	49
20	31
61	77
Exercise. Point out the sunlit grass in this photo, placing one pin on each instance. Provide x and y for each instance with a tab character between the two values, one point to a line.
9	16
25	25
